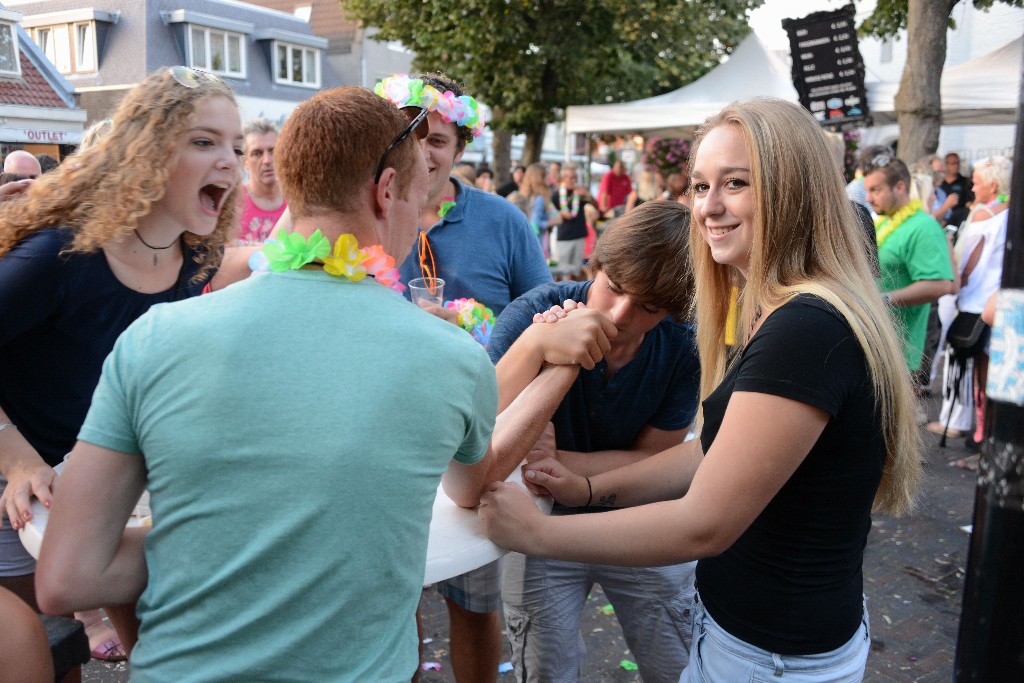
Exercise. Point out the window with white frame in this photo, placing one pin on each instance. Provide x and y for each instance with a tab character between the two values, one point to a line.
10	64
297	64
71	47
217	51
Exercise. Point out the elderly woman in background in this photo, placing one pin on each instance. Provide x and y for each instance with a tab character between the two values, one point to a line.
978	254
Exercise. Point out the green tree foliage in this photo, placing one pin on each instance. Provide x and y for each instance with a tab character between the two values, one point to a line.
529	59
890	16
919	99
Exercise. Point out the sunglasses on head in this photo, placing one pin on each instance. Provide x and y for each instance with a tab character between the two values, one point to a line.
189	77
418	124
881	160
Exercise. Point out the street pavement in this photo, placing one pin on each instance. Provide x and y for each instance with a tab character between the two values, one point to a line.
914	570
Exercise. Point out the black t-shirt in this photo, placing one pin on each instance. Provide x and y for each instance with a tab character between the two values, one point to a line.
59	318
792	582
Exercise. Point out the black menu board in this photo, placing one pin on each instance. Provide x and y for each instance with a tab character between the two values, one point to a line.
828	71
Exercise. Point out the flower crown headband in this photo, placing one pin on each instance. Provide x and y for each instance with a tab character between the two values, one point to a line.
403	91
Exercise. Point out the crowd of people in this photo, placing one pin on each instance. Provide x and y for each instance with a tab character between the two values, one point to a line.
704	471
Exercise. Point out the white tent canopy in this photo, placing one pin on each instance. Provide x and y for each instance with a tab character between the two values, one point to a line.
984	90
750	71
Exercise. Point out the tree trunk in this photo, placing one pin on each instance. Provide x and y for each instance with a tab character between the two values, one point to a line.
919	101
501	150
534	144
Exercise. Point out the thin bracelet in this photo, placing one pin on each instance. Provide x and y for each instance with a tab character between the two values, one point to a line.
590	492
5	425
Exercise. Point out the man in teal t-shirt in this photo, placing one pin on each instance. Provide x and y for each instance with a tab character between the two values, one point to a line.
913	253
291	494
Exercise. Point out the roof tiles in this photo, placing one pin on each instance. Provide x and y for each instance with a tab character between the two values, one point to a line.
33	89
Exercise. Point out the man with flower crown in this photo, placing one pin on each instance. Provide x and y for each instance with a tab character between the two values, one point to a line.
292	541
913	252
483	248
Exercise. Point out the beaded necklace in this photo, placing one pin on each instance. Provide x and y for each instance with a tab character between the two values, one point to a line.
563	203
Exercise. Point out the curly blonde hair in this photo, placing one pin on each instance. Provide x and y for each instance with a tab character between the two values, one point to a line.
807	239
101	194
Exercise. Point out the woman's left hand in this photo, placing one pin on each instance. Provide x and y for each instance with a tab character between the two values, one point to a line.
510	517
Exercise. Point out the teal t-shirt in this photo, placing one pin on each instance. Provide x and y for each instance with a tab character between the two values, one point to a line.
916	250
292	490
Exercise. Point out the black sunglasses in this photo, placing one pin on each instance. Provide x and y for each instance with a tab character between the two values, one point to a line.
418	124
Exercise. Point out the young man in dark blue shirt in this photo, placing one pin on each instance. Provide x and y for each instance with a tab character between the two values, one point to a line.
636	394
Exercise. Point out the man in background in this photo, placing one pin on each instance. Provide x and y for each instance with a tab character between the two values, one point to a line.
913	255
483	248
614	190
262	199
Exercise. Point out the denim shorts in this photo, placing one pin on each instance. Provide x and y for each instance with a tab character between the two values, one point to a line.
719	657
478	590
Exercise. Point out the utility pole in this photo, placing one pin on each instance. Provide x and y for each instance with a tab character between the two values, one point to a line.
991	642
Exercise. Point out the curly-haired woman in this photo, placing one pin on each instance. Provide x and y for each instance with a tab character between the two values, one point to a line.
136	219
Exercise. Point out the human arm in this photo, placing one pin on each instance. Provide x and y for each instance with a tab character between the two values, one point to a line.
27	475
14	188
972	261
989	313
947	204
920	292
631	201
603	197
234	266
88	558
32	275
539	215
516	430
650	441
762	440
580	339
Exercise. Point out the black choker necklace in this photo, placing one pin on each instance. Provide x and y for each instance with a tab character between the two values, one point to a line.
155	249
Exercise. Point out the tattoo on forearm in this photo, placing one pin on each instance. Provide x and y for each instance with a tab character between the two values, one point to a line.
607	501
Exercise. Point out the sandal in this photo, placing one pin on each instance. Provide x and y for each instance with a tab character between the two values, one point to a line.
970	463
110	651
937	428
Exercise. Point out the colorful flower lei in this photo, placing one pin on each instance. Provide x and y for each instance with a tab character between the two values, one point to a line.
403	91
292	251
474	317
886	225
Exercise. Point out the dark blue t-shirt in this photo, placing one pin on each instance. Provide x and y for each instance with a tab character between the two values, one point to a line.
659	387
59	318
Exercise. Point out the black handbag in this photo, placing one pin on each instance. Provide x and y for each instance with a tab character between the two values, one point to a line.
967	335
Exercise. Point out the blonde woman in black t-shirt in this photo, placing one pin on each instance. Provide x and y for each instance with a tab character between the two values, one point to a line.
806	429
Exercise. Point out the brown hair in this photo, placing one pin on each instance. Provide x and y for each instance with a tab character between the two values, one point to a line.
330	146
894	171
646	253
101	195
445	84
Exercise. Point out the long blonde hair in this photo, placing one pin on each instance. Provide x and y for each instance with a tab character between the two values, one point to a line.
534	182
103	191
807	239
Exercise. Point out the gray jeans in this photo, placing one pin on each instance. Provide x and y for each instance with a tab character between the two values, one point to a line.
544	600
